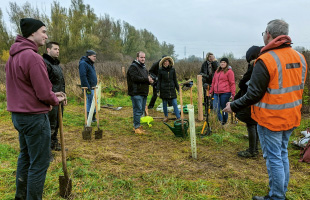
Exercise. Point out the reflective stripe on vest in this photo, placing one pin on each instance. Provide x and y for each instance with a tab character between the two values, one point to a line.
279	106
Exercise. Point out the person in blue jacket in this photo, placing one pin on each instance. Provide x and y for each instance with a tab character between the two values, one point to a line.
88	77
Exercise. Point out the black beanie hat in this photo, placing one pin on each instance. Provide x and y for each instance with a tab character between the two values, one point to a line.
225	60
90	52
29	26
252	53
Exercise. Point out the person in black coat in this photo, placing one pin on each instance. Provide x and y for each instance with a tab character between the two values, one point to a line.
56	77
244	115
208	68
138	81
167	85
154	75
207	71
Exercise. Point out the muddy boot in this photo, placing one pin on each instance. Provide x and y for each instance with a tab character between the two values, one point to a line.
55	145
247	154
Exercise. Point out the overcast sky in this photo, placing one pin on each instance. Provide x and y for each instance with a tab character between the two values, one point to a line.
197	26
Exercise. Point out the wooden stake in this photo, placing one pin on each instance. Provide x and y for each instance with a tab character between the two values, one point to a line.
123	72
181	102
200	97
191	95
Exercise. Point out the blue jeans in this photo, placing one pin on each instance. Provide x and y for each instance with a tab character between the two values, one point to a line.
89	99
274	147
34	157
138	106
219	103
175	107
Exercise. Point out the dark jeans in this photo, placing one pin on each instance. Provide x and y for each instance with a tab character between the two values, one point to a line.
253	138
34	157
175	107
219	103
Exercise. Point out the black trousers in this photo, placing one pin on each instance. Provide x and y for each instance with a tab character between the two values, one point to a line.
253	137
53	118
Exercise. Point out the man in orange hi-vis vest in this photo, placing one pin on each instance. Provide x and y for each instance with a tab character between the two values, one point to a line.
275	93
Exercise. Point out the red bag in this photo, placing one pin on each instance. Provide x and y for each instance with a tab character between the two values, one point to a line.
305	154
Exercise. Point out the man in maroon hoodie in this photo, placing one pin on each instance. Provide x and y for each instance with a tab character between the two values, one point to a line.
29	98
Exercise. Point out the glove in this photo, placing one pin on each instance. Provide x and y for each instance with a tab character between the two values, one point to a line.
88	91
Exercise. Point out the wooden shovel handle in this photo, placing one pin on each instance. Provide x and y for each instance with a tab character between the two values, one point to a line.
96	104
63	152
85	108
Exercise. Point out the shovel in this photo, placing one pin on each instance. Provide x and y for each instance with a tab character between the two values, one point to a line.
98	133
65	183
117	108
86	134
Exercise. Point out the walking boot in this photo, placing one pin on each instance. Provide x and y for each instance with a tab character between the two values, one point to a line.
247	154
139	131
55	145
94	118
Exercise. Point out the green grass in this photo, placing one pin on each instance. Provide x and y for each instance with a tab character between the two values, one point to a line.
123	165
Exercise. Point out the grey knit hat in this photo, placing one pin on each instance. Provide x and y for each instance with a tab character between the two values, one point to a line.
90	53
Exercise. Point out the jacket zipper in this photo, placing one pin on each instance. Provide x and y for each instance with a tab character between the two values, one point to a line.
169	85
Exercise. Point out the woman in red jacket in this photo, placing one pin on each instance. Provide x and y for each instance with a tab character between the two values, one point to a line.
223	87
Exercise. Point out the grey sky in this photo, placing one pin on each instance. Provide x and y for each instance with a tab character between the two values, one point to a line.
219	26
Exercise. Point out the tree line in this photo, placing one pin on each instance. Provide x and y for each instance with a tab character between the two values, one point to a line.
78	28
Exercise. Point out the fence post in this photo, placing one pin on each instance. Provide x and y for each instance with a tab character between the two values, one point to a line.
200	97
123	72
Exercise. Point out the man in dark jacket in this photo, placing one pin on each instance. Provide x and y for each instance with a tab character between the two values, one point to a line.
88	77
57	79
29	98
275	93
138	81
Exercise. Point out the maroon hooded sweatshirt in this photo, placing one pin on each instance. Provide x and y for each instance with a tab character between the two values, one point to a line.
28	87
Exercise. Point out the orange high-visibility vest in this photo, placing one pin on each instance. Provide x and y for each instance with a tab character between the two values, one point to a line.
280	108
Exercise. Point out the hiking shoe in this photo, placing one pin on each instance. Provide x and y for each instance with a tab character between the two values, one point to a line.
139	131
267	197
166	119
56	146
246	154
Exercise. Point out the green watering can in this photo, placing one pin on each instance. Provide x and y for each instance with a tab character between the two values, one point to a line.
177	129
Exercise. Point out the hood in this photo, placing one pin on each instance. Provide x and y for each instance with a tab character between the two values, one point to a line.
22	44
277	42
252	53
138	63
86	59
166	58
50	59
